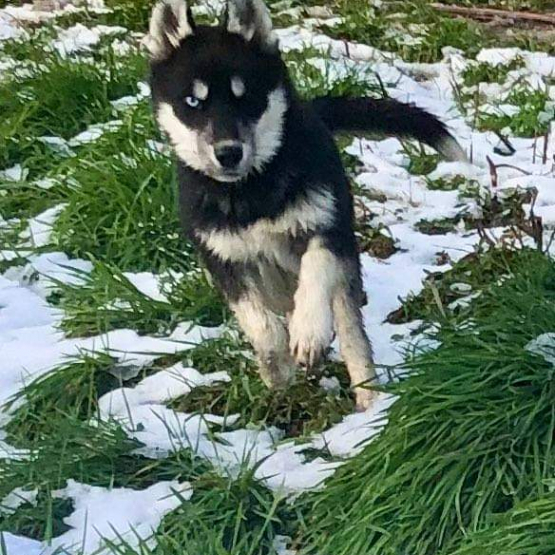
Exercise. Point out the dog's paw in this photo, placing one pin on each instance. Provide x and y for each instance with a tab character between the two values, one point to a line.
276	370
364	398
310	337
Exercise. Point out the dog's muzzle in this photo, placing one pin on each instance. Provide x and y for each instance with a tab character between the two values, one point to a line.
229	154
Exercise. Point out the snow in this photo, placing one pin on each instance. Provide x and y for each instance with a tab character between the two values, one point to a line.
128	101
57	144
15	173
75	39
32	345
544	346
16	545
16	498
82	39
39	231
94	132
148	284
143	413
120	514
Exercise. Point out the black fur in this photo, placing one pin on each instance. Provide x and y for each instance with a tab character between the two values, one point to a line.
383	116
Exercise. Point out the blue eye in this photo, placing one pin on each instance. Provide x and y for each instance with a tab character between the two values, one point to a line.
192	101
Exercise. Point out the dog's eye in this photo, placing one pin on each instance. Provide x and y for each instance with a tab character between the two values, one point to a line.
192	101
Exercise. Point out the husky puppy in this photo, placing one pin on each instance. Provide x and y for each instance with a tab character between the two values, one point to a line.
263	193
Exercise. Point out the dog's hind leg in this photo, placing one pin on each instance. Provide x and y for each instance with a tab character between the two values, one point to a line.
268	335
356	348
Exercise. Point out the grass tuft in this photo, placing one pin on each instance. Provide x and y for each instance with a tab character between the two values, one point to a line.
527	529
470	436
106	299
302	409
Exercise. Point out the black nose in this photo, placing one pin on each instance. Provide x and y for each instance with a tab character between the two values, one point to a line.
229	155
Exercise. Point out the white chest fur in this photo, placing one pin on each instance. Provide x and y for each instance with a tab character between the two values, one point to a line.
272	238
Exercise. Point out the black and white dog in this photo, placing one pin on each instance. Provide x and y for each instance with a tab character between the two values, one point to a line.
263	193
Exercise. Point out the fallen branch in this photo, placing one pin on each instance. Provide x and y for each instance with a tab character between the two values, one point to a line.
491	13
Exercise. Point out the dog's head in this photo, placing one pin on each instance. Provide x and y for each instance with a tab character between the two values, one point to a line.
219	93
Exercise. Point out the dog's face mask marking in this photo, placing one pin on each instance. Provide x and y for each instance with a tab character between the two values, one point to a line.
218	91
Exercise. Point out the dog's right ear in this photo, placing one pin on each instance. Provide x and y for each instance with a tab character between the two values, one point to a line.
170	23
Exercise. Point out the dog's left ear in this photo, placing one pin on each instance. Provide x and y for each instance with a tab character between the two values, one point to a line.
251	19
170	23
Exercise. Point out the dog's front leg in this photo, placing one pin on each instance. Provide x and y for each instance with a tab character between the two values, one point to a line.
311	324
327	291
269	338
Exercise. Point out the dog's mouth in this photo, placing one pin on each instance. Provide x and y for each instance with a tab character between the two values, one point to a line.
230	176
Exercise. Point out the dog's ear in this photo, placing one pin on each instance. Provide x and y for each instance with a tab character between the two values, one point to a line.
171	21
251	19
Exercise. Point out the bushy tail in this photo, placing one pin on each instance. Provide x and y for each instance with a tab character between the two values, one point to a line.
387	117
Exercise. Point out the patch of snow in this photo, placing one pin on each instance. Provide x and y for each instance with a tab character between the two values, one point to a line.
143	414
330	385
31	343
544	346
39	232
148	284
15	173
94	132
499	56
121	47
17	545
128	101
57	144
16	499
117	515
43	271
280	546
75	39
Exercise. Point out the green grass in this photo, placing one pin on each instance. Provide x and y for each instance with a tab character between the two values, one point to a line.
495	211
121	202
100	455
469	437
55	422
482	72
302	409
438	226
386	29
528	529
24	199
466	187
532	120
465	465
312	81
42	520
107	300
475	271
133	14
80	91
235	517
224	517
421	161
70	393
